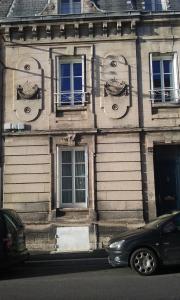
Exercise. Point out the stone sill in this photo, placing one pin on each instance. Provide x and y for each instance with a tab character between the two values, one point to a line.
71	108
69	209
166	105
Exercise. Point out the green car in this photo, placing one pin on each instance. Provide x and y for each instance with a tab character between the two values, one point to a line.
12	239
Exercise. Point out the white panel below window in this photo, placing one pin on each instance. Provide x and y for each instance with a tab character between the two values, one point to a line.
69	239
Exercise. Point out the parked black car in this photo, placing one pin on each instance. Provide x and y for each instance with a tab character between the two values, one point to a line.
12	239
146	248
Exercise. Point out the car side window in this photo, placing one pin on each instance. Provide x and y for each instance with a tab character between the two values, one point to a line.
172	225
169	227
11	227
177	222
2	227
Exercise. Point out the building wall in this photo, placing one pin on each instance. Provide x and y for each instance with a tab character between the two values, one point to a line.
27	177
1	101
118	171
119	132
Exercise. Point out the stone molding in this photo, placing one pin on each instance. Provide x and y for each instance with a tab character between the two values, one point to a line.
65	29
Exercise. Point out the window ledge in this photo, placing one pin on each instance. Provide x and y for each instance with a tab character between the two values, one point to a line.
73	209
166	105
71	108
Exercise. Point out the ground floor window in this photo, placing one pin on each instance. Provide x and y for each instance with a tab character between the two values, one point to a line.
72	177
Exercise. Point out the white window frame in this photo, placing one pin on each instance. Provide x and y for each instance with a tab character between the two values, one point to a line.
70	7
59	178
70	60
154	4
175	88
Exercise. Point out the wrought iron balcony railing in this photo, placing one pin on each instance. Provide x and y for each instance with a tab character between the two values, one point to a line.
70	98
165	95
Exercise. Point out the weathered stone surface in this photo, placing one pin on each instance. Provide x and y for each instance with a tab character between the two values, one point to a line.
120	159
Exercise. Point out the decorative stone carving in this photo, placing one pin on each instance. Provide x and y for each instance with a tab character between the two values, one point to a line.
93	7
115	79
71	139
28	89
114	87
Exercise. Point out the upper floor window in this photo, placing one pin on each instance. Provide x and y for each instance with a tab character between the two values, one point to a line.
69	6
72	185
71	81
155	5
164	78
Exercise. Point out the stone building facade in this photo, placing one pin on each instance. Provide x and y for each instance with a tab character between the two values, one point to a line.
91	116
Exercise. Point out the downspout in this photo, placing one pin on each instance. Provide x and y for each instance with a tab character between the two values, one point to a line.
2	68
141	126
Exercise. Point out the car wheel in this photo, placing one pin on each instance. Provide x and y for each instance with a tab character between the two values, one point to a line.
144	261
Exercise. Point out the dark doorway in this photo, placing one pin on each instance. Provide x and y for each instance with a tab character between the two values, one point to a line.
167	178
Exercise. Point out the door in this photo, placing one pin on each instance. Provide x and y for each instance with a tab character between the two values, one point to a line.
167	178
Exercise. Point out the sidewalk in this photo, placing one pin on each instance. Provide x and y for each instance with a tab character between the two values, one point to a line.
39	255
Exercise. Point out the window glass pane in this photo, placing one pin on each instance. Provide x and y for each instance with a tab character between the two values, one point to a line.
76	8
66	197
148	5
77	69
80	156
80	170
78	84
177	222
70	82
65	99
77	98
168	95
73	180
66	156
65	70
167	65
66	170
158	4
157	81
65	84
66	183
157	95
80	183
156	66
80	196
167	80
64	1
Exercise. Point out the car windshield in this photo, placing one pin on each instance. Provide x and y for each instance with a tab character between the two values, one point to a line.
156	222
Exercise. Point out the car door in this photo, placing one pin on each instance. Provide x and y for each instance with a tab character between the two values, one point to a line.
2	236
170	241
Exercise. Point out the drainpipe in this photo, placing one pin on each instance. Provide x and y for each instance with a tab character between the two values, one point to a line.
2	68
141	126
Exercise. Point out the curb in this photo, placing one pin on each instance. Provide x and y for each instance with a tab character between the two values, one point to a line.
39	255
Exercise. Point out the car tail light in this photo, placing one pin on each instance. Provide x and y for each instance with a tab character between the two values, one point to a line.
8	241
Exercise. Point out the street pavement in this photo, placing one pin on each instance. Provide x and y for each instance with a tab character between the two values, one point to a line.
84	276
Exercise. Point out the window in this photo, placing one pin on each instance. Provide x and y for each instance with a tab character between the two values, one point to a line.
69	6
71	82
72	177
164	87
155	5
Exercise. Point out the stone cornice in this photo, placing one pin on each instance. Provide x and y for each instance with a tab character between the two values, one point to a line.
69	29
89	26
92	131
